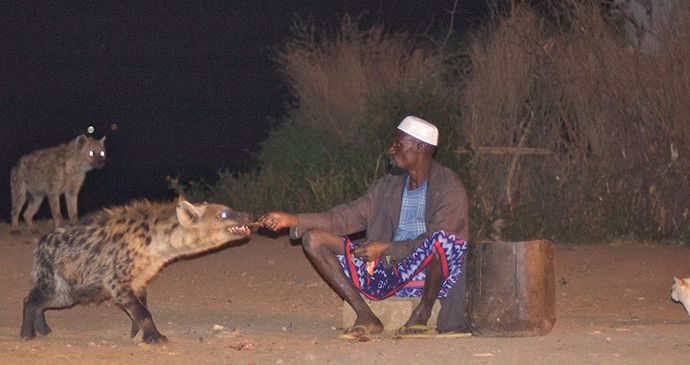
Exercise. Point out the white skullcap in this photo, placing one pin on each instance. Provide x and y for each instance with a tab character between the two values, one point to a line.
420	129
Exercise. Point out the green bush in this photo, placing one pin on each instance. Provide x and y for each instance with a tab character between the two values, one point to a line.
300	170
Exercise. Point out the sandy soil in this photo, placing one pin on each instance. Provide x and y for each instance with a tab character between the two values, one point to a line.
262	303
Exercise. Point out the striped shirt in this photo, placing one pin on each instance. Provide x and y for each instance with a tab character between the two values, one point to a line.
411	223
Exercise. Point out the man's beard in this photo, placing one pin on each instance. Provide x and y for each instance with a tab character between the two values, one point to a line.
396	170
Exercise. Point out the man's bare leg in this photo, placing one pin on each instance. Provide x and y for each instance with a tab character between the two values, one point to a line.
321	248
432	285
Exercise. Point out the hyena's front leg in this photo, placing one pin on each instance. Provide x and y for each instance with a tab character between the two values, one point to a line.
71	193
54	200
135	326
141	316
71	200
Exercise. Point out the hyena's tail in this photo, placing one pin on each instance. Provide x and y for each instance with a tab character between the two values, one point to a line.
56	291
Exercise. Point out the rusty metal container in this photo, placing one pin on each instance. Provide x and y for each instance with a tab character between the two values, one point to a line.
511	289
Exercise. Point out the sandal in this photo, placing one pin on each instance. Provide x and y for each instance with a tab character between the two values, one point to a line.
423	331
414	331
357	333
453	335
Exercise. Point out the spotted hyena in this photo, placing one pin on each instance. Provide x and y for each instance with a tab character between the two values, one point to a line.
111	255
52	172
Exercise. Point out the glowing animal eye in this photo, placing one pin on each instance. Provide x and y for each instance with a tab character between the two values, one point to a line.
102	153
224	214
91	153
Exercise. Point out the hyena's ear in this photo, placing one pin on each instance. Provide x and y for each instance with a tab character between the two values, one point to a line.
102	141
187	214
80	141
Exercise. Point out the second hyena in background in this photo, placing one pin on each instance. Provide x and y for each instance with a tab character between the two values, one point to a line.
52	172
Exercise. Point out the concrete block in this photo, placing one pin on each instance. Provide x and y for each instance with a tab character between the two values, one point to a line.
393	312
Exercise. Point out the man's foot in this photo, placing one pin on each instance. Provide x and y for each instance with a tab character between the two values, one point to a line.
357	333
363	328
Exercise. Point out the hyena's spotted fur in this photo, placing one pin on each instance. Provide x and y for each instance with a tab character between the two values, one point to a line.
112	255
52	172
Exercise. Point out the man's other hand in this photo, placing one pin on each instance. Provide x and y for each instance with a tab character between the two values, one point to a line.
371	250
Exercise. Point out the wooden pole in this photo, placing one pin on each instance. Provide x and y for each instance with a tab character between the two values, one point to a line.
506	151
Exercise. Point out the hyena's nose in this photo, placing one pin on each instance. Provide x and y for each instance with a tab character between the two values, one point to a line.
98	162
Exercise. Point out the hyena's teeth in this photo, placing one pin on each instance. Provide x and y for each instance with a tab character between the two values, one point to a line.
239	230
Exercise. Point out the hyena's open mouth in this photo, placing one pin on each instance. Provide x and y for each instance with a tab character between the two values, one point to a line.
239	230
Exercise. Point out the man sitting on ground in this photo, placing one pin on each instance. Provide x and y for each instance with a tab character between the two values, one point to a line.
416	232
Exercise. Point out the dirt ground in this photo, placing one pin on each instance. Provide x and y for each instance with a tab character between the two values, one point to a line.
262	303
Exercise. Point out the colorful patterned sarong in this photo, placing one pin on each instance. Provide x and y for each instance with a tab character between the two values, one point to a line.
406	278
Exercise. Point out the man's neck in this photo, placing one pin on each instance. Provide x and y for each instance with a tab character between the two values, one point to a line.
418	175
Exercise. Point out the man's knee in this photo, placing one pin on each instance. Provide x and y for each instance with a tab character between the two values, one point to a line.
313	240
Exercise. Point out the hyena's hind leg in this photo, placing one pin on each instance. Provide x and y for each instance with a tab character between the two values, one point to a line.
33	314
31	209
41	325
18	191
50	291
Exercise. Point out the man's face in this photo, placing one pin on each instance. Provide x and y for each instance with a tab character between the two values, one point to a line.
404	151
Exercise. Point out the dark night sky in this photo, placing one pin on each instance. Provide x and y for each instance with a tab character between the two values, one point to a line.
190	84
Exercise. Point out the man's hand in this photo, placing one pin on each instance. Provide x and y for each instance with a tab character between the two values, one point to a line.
278	220
370	251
